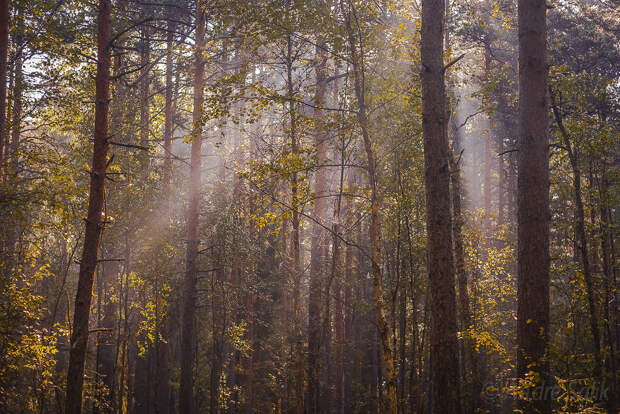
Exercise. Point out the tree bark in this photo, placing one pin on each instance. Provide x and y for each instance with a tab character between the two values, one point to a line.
374	229
169	112
444	350
533	202
5	20
186	390
612	327
349	267
582	242
295	253
461	273
145	56
11	152
94	224
318	235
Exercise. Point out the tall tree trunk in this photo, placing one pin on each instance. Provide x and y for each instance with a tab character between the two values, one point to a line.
339	342
402	362
12	156
502	180
169	111
374	229
317	239
533	201
461	274
295	247
487	151
335	376
162	347
582	242
145	56
444	349
349	267
611	287
5	18
186	390
94	224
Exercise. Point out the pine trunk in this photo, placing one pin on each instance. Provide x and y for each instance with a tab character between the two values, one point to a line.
186	390
317	239
94	221
533	202
444	350
5	19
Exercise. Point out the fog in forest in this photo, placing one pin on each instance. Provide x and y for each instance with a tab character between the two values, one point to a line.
309	207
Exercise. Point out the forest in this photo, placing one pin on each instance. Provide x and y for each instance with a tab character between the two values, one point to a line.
309	206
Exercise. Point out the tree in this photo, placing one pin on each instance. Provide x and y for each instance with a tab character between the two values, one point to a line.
374	229
533	203
5	17
445	394
186	391
95	218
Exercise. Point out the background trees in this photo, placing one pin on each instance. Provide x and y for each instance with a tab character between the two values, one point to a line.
298	283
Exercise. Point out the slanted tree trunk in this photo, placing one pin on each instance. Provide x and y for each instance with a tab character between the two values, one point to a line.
582	242
374	229
533	201
444	349
94	221
186	390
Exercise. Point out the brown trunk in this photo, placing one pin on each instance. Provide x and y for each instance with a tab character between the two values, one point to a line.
186	390
169	111
461	273
249	363
317	239
335	376
487	150
444	350
611	287
374	229
295	253
5	17
339	342
402	363
12	156
145	56
502	181
582	242
533	201
349	266
94	224
141	395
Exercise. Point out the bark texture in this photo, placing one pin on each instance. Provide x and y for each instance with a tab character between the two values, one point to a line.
5	17
94	221
444	350
533	201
